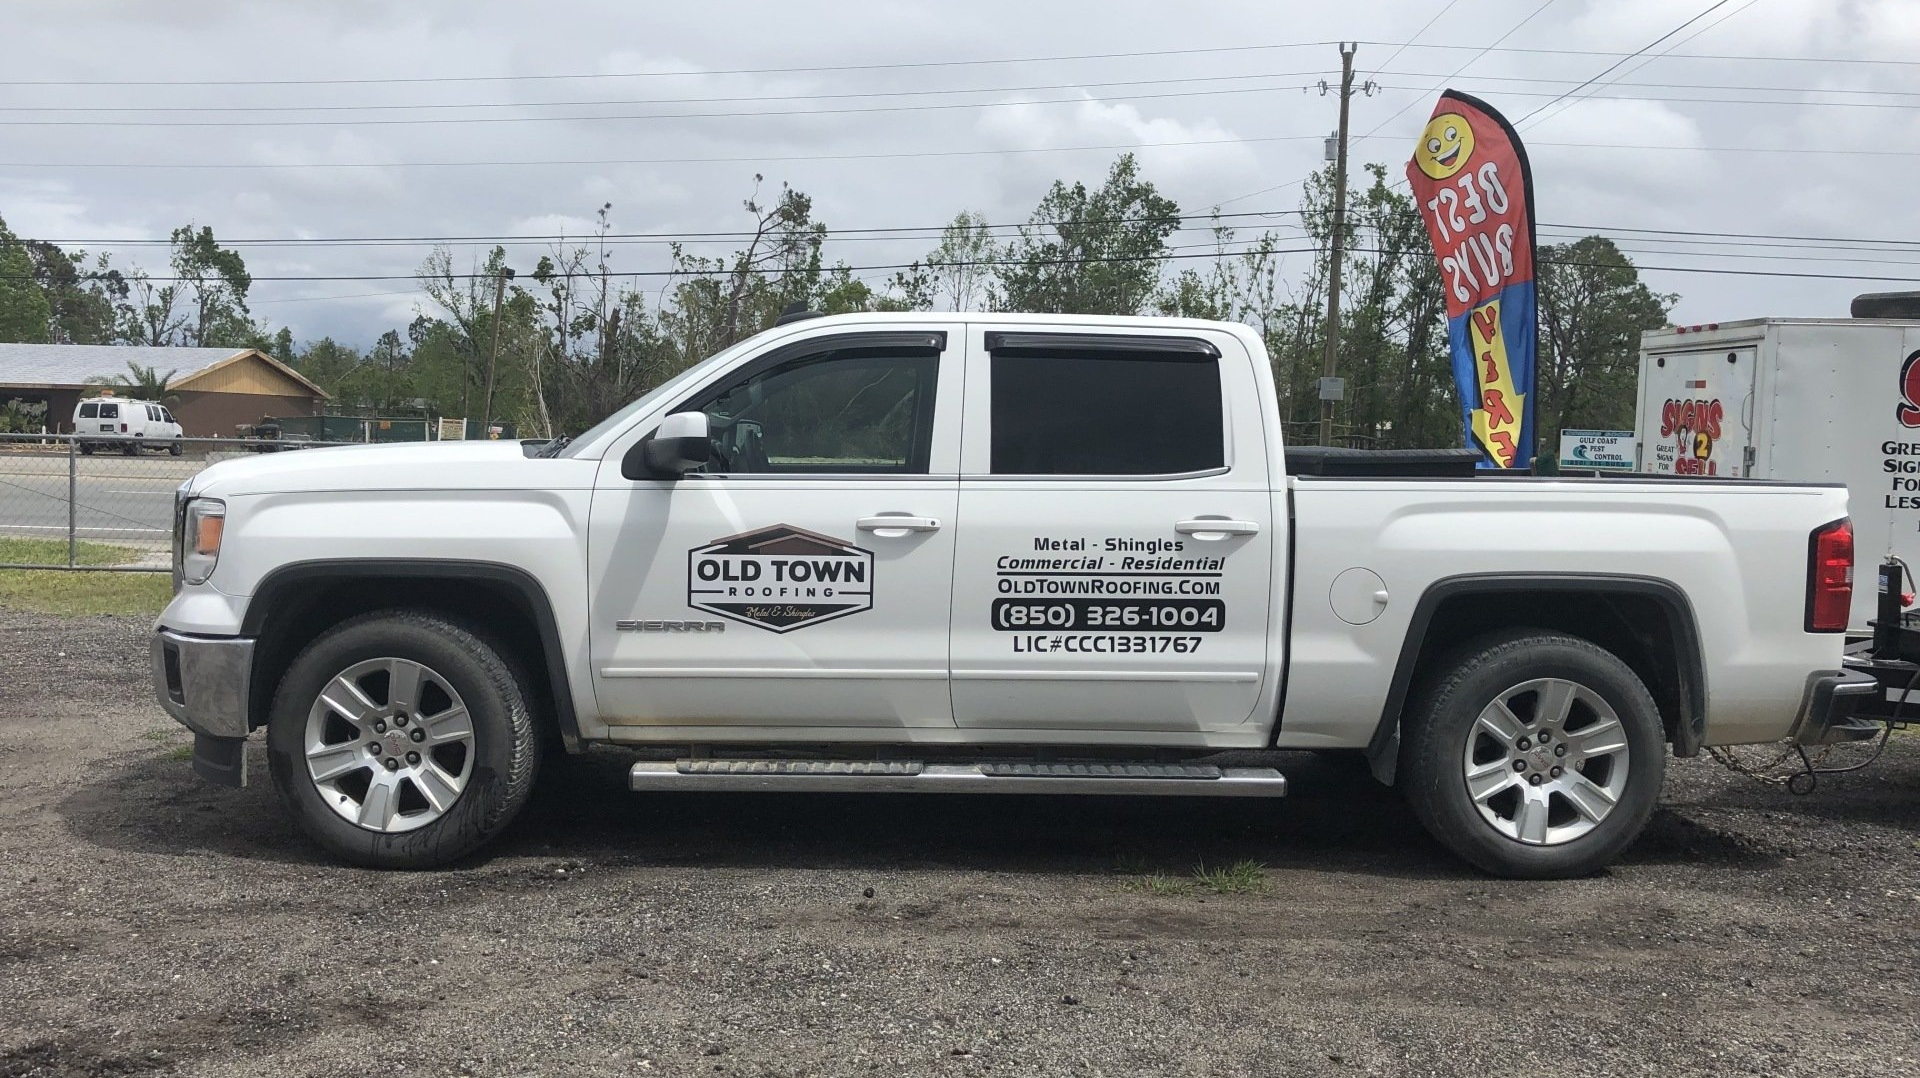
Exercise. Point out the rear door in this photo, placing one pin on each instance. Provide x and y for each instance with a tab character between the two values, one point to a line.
1115	555
1696	411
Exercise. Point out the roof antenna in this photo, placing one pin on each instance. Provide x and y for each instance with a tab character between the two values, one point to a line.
796	312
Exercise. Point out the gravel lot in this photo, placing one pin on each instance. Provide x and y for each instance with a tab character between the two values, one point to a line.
150	924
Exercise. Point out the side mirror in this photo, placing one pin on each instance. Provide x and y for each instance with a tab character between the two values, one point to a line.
678	447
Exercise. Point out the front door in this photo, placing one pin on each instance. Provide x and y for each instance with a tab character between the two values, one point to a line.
1116	557
805	578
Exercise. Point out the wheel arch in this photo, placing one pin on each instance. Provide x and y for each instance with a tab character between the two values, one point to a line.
295	603
1647	622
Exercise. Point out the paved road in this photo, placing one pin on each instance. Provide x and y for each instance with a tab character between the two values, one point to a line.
118	499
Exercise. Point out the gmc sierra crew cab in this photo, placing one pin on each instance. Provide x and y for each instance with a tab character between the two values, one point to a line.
986	553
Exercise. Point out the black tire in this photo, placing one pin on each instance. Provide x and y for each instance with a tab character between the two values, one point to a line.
504	739
86	450
174	448
1442	739
131	449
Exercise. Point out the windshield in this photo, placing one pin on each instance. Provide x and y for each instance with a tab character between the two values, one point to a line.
586	442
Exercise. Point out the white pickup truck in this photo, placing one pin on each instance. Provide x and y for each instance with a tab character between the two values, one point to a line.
987	553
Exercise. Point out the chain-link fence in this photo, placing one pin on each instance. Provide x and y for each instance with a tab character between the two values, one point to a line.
102	503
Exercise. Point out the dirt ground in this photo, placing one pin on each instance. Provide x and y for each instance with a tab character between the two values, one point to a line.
150	924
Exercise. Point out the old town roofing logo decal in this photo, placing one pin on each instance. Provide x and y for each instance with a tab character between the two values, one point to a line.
780	578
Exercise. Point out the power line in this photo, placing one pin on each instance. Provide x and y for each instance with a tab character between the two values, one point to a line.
738	99
923	232
550	162
1471	60
1675	85
951	91
1669	49
905	65
899	155
1424	27
1686	100
987	263
1671	55
1205	220
1618	64
914	65
416	121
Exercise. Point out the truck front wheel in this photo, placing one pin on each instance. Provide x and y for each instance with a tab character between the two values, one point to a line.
1534	755
401	739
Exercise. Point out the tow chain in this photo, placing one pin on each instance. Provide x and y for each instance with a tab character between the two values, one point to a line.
1769	772
1806	774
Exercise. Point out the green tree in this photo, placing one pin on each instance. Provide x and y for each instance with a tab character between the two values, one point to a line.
24	312
1593	308
715	302
1393	341
601	346
954	274
204	304
451	362
142	383
1090	252
83	299
328	364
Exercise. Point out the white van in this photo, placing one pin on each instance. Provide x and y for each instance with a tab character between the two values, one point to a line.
126	425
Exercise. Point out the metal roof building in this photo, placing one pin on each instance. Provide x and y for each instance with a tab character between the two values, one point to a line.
219	389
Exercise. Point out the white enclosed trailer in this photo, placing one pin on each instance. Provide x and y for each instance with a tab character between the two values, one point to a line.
1797	399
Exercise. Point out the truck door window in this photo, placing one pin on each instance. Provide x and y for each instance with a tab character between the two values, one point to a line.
89	411
109	411
847	411
1120	412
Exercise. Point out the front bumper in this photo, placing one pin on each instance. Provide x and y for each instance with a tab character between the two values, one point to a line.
204	683
1831	700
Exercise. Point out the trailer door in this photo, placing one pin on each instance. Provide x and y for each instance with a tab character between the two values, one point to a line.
1696	412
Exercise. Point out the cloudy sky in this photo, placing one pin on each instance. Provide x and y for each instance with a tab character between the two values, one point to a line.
384	121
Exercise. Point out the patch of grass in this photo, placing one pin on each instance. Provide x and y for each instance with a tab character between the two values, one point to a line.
179	754
1159	883
161	733
1239	878
45	591
1132	864
54	552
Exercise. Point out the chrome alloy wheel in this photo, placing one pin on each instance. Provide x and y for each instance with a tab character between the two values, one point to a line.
1546	761
389	745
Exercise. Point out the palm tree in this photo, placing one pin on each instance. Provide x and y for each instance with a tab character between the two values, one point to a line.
143	383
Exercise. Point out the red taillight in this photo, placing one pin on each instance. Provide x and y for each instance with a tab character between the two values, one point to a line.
123	428
1830	578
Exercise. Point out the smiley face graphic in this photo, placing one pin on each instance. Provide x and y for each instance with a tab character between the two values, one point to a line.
1445	146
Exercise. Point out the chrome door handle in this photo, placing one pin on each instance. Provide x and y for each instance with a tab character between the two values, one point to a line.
1208	529
895	525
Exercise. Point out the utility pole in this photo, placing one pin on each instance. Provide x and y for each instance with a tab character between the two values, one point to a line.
493	353
1331	389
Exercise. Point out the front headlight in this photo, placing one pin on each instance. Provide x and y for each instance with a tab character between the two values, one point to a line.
205	525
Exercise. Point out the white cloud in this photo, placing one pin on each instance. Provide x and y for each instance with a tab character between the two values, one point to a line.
861	183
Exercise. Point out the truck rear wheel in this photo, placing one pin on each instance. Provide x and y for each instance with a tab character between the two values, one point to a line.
401	739
1534	755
